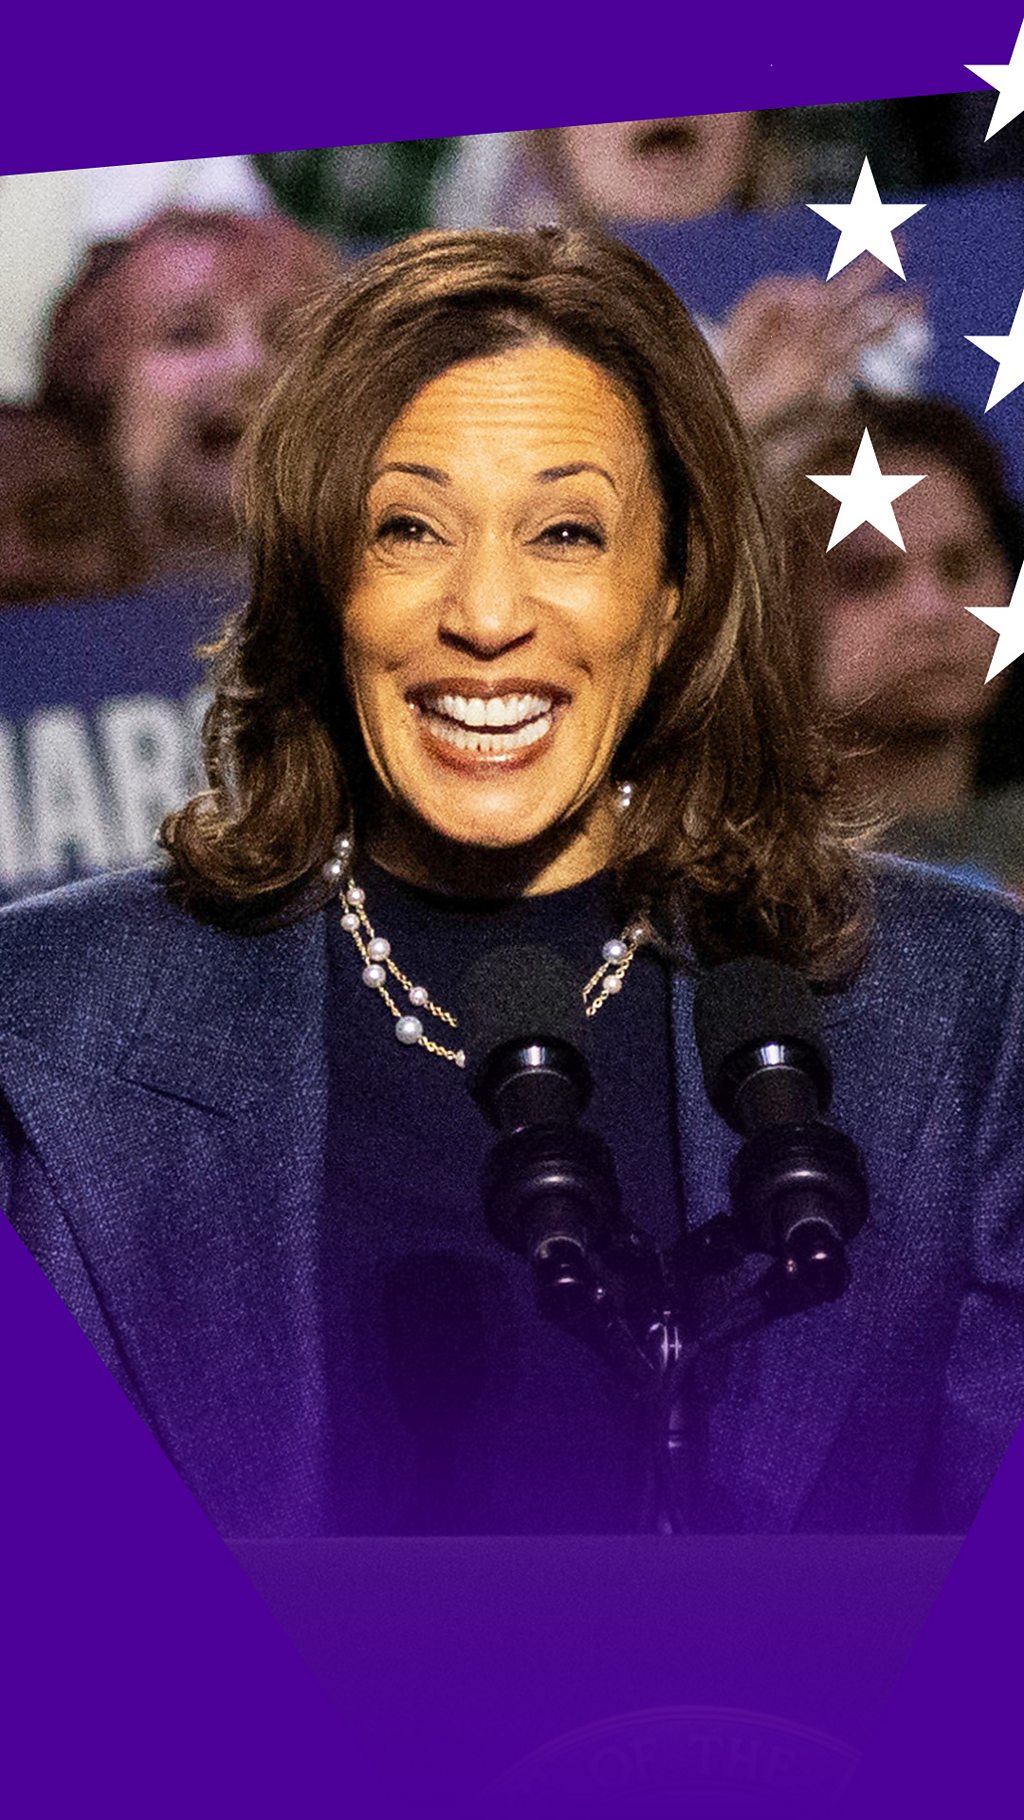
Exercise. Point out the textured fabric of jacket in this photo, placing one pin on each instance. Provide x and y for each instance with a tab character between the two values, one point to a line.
163	1096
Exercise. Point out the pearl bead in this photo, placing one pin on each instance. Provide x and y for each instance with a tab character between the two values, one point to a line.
333	871
343	846
460	1058
418	995
350	921
355	894
378	949
408	1029
614	950
612	984
373	975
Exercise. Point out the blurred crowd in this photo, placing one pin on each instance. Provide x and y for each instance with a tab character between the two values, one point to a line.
144	311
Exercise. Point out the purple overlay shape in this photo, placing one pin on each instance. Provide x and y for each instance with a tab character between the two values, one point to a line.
949	1741
142	1673
522	1674
119	86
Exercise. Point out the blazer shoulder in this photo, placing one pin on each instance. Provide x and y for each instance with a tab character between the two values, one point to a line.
74	961
937	932
86	911
84	967
912	893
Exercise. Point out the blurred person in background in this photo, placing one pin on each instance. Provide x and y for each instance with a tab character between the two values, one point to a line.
790	347
65	526
899	661
627	170
160	351
664	170
793	349
50	219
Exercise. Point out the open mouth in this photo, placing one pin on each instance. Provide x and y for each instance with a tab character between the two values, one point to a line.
488	727
664	137
218	437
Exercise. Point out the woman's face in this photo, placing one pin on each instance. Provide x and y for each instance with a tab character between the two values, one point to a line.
510	605
659	170
199	322
898	649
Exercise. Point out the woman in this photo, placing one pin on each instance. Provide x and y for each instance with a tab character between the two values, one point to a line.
628	170
899	659
516	668
160	350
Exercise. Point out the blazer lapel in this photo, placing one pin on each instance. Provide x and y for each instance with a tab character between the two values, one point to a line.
206	1128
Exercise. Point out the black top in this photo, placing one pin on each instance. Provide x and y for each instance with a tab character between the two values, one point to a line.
455	1406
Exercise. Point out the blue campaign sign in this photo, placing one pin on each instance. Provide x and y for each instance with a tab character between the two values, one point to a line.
963	253
100	707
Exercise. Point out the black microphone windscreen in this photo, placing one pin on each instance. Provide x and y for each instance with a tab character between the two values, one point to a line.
750	1001
520	994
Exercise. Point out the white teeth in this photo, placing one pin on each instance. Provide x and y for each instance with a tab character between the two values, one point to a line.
496	711
469	739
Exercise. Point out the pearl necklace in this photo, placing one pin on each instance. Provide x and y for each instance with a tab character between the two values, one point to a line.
378	963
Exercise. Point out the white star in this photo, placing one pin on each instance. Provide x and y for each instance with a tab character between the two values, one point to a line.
865	495
1009	623
1008	78
1008	350
865	224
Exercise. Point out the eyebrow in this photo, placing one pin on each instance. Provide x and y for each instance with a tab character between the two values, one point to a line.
570	468
546	475
437	475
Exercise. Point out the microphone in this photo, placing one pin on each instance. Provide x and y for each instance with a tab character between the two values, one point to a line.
550	1189
798	1186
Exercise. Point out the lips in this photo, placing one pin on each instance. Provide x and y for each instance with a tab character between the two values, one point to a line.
469	723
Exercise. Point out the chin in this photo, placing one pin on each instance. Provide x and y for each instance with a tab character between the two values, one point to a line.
506	836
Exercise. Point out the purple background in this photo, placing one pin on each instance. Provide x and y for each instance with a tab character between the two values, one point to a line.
146	1676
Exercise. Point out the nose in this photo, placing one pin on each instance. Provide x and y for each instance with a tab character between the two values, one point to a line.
244	355
486	612
243	349
927	600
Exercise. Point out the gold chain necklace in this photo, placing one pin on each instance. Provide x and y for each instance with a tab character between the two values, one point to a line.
379	965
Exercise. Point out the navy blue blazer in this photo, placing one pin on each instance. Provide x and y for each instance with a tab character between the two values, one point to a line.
163	1096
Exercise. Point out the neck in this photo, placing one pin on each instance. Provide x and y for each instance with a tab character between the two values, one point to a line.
562	857
919	774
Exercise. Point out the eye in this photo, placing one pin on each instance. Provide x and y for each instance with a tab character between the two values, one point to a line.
571	534
402	528
860	578
959	564
192	329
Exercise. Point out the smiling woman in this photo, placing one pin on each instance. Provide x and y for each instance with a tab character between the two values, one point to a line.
159	351
517	669
506	465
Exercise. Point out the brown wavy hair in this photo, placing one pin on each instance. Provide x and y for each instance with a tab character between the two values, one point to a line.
732	820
